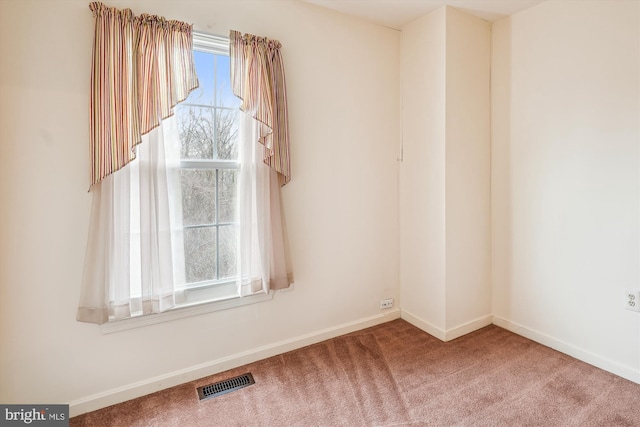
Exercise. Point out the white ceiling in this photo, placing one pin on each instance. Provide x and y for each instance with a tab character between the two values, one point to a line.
396	13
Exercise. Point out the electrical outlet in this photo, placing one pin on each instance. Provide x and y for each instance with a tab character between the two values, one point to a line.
632	300
386	303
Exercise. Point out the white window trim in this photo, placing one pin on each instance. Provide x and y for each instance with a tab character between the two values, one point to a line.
209	43
182	312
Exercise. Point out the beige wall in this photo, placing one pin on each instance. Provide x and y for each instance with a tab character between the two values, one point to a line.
444	175
341	209
422	172
565	178
565	186
467	163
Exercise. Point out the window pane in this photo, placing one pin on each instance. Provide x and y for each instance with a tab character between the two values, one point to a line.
227	133
198	196
224	95
228	247
196	126
200	254
228	195
204	93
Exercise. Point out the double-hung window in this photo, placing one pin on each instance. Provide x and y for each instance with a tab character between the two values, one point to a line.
208	131
203	168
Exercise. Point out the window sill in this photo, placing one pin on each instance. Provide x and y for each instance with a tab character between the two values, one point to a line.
182	312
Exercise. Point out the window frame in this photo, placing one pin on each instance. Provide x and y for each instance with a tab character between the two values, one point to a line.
210	291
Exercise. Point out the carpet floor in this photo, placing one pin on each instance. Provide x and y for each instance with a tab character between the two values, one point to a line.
396	375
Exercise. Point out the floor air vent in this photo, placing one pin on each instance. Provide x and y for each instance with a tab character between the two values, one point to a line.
226	386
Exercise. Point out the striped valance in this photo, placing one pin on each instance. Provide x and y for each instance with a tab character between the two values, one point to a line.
257	77
142	67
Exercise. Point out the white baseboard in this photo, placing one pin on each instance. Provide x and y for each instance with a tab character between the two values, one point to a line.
569	349
468	327
449	334
420	323
142	388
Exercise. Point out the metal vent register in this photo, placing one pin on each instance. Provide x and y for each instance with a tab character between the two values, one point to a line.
226	386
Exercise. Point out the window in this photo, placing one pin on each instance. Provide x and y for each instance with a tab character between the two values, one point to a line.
208	131
203	184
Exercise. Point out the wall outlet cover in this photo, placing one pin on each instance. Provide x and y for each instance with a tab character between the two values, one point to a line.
632	300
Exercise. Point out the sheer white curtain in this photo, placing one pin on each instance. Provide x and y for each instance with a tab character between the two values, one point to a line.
263	252
135	235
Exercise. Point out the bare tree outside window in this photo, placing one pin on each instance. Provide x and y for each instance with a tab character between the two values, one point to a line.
208	136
